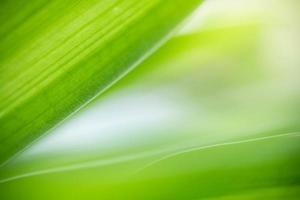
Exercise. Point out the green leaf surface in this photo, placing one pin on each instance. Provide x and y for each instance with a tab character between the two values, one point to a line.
55	56
212	114
171	137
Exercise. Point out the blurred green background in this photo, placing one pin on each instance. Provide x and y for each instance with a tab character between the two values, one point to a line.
213	114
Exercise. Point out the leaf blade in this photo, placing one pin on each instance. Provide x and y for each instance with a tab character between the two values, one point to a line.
49	85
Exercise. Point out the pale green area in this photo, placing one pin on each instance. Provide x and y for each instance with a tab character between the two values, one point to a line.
212	114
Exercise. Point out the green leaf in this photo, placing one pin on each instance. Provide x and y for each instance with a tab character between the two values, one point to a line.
57	55
196	147
213	114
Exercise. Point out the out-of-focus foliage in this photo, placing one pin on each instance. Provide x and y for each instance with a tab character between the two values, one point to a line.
213	114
